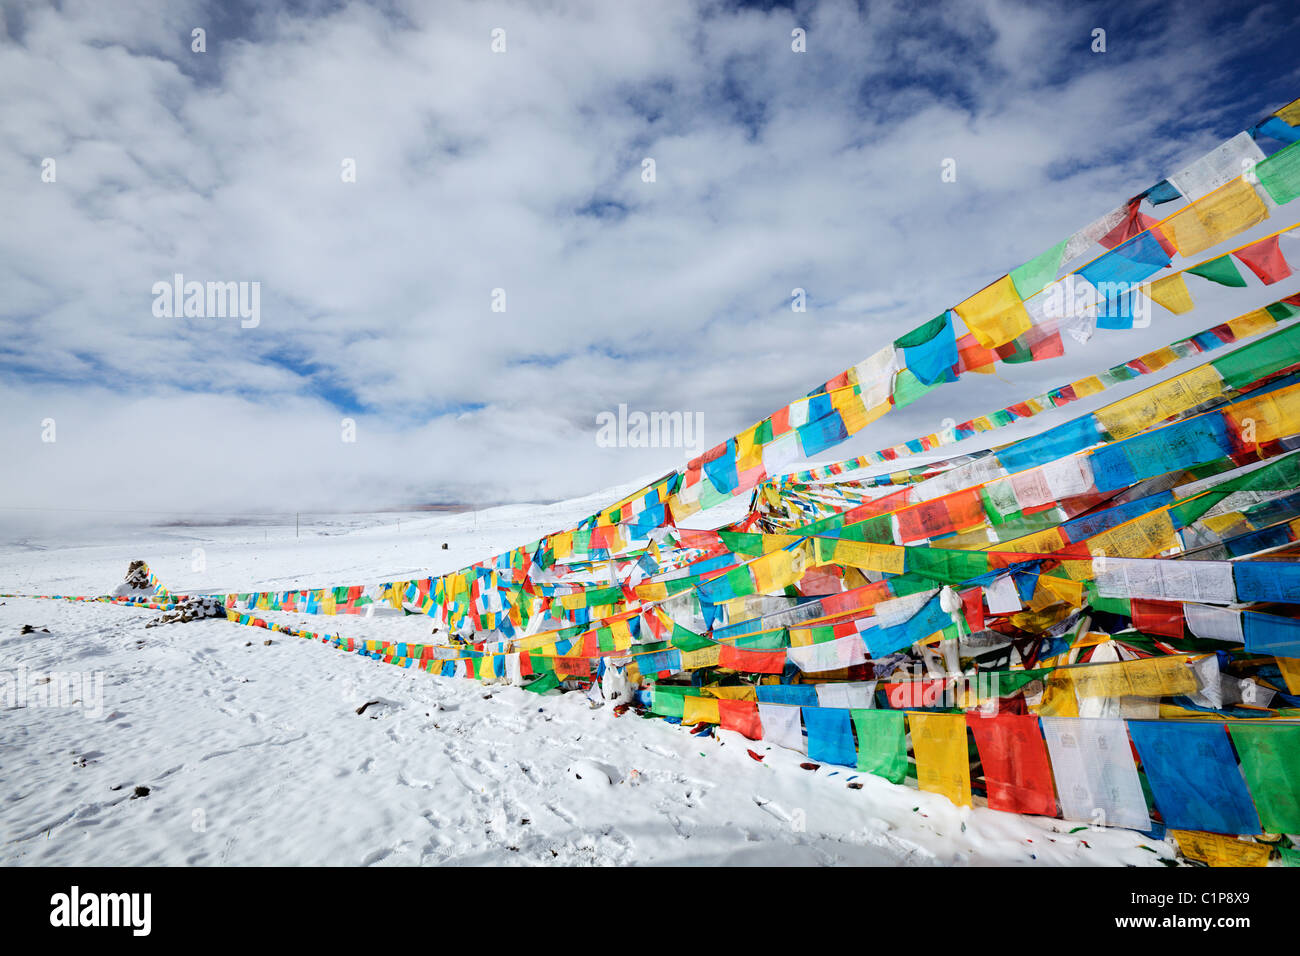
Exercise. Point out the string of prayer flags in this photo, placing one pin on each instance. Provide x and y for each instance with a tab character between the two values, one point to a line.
1132	572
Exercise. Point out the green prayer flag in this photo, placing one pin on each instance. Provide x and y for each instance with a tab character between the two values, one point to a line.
1011	681
765	640
947	566
742	542
882	744
542	684
1280	174
922	334
741	581
600	596
668	701
1270	762
685	639
1036	274
1221	270
877	530
908	388
1263	357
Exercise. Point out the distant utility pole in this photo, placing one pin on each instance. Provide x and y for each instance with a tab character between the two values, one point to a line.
295	524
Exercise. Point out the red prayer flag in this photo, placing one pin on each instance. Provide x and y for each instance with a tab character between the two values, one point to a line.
751	662
839	381
1134	224
1265	259
1016	769
742	717
1049	346
781	421
965	509
1157	617
971	355
819	581
973	608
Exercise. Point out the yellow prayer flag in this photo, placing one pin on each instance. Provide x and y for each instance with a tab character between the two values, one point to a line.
737	692
887	558
1058	698
1142	537
942	764
1171	293
1219	850
1087	386
1220	215
1290	668
853	410
1160	677
1268	417
1159	358
774	571
1091	639
1290	114
704	657
1149	677
1040	620
1041	542
1220	523
562	544
1060	589
654	591
1252	323
1155	403
800	636
749	454
700	710
995	315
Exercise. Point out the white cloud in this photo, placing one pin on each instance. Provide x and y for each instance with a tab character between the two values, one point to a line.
775	170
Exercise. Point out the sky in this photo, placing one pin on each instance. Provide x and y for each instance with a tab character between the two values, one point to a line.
517	176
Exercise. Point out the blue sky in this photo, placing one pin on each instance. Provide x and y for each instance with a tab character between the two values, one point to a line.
522	171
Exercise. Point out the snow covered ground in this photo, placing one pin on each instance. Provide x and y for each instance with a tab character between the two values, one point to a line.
255	753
